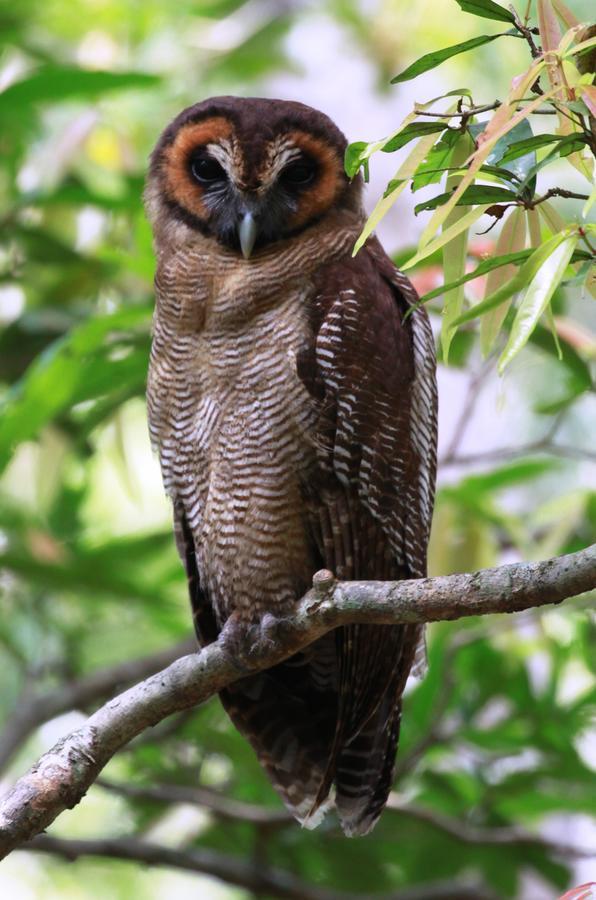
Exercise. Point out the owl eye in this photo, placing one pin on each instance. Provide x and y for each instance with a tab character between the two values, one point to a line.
207	170
298	173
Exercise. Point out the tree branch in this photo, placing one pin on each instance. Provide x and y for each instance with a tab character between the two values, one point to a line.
33	710
257	879
266	817
505	836
62	776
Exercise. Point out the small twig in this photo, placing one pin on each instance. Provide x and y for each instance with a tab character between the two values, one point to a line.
231	870
485	836
463	113
217	803
499	453
527	34
554	192
474	388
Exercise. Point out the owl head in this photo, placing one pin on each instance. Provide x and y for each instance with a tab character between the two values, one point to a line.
249	172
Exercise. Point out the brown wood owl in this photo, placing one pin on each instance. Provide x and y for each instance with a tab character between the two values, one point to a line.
292	401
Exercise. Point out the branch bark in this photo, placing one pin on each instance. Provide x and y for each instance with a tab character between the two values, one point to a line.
63	775
34	709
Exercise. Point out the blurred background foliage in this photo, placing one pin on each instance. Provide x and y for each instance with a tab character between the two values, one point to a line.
496	764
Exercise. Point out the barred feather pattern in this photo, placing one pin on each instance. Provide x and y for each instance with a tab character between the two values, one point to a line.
294	412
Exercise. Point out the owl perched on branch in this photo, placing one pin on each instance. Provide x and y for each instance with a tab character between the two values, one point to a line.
292	401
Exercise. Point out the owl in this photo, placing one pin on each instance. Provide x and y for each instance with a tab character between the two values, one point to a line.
292	402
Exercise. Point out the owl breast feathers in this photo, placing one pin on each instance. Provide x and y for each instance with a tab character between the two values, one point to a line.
293	406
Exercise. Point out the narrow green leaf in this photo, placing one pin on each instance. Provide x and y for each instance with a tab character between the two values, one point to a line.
569	144
519	281
476	193
454	254
380	210
486	9
359	153
512	239
431	60
537	297
503	121
431	168
465	222
495	262
402	176
415	130
520	148
550	317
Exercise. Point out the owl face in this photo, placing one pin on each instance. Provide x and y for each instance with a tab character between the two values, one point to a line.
249	172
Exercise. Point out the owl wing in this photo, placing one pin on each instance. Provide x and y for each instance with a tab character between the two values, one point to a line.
371	369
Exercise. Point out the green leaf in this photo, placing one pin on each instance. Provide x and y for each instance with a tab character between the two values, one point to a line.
433	165
456	228
73	369
402	176
56	83
434	59
512	239
486	9
358	153
454	254
354	158
519	281
415	130
569	144
520	165
476	193
537	297
485	266
520	148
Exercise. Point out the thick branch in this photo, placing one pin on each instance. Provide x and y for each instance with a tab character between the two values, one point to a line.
34	709
258	879
62	776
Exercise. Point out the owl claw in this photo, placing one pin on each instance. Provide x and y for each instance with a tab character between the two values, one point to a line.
243	641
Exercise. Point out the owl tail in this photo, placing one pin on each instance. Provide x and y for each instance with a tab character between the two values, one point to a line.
288	717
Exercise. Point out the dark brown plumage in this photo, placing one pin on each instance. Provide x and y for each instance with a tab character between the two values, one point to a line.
293	405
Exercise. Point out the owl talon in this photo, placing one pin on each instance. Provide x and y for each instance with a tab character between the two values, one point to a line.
242	640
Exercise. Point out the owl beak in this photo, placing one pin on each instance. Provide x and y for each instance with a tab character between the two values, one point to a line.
247	233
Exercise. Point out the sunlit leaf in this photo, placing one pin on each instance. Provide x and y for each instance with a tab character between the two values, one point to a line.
500	126
565	14
404	173
511	240
519	281
415	130
537	296
520	164
454	255
465	222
